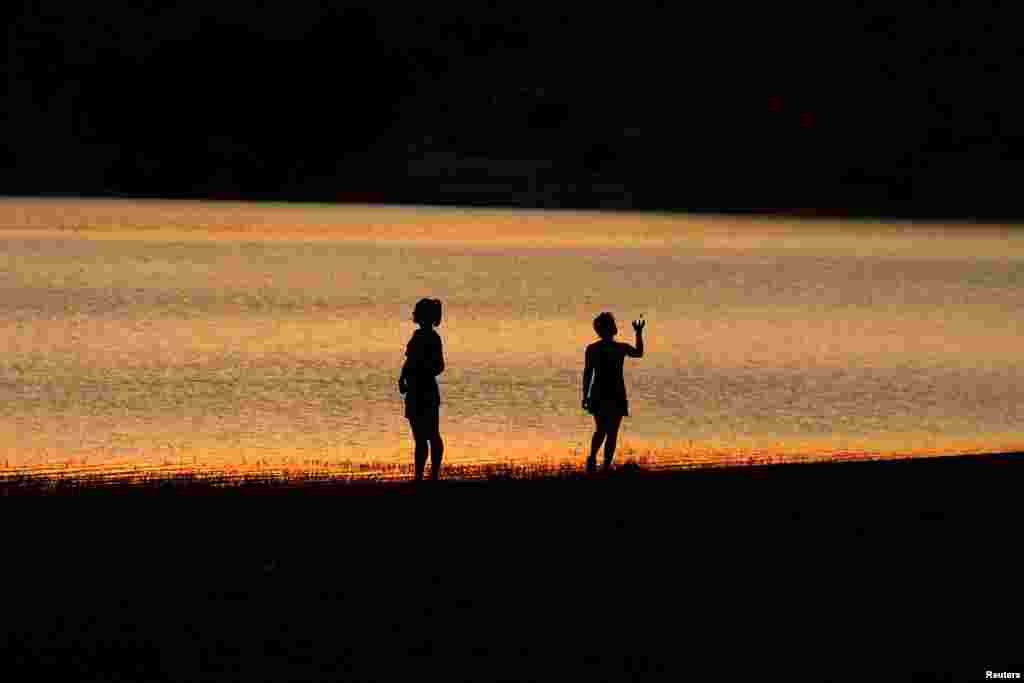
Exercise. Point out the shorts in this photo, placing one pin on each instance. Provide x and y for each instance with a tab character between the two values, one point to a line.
609	407
422	409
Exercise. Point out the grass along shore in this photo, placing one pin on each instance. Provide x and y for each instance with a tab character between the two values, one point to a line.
78	473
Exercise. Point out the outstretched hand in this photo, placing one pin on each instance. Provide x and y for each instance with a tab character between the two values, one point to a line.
638	325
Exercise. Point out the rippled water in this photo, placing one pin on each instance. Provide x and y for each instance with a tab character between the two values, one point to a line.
228	333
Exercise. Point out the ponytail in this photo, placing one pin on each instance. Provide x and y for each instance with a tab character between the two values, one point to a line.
437	310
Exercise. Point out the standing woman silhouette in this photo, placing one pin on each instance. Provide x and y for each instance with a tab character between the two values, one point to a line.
606	400
424	361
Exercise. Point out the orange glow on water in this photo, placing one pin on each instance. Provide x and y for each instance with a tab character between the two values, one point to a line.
508	462
170	338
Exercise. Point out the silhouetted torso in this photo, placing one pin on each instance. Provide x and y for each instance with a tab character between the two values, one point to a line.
424	361
606	358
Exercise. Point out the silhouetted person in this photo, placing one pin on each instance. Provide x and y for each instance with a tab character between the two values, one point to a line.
424	361
606	400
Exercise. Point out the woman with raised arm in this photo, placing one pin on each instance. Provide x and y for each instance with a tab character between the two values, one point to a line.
604	389
424	361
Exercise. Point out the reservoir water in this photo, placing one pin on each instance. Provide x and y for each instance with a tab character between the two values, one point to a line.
162	333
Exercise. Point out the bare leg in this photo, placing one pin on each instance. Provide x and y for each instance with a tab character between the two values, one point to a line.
421	458
595	444
612	426
436	453
421	448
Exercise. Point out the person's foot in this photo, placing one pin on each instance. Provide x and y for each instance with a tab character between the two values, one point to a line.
591	465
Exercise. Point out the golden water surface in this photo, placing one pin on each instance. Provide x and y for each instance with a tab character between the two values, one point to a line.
160	336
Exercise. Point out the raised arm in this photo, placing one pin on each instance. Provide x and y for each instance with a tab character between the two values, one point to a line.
638	351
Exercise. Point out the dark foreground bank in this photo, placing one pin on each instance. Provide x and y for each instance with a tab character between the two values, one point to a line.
866	571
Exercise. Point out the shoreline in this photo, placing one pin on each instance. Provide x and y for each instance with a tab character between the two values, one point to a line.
371	478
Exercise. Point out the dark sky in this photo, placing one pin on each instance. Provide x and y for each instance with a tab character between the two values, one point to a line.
718	108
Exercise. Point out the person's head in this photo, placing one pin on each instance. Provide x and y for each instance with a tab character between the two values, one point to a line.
427	312
604	325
